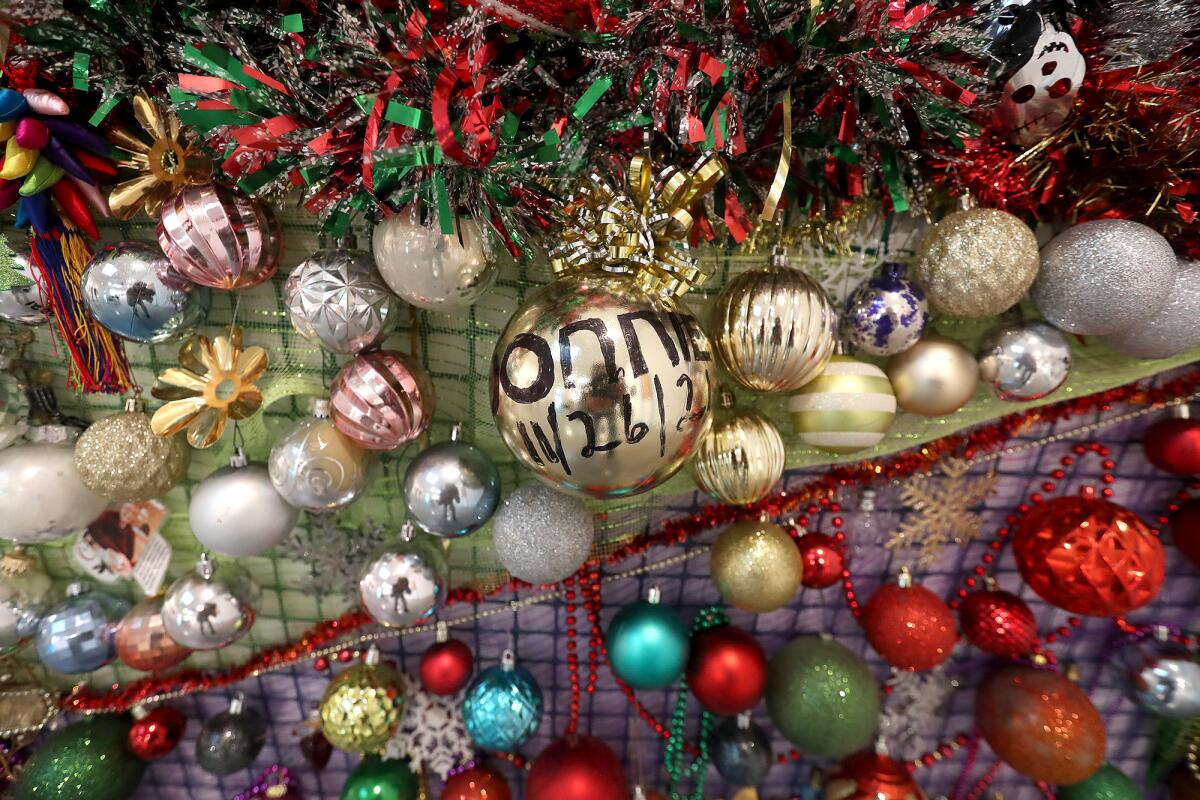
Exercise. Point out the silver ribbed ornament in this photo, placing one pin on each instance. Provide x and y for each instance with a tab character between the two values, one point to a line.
337	297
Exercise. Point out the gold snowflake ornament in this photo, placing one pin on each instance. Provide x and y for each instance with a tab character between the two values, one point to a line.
215	380
941	510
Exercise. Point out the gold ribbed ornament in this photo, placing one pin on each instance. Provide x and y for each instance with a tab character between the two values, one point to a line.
774	327
741	457
121	458
362	706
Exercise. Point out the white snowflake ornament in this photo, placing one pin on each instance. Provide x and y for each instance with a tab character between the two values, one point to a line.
432	735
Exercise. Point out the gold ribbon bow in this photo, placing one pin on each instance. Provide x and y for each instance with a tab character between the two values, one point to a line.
641	230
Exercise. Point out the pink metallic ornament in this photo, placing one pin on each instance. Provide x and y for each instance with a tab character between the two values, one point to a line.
218	236
142	641
42	101
382	400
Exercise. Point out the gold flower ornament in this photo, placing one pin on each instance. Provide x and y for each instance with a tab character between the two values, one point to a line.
215	380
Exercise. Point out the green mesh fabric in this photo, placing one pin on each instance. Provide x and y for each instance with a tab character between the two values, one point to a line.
457	350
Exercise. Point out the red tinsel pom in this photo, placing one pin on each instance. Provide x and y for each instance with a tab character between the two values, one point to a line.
910	627
727	669
999	623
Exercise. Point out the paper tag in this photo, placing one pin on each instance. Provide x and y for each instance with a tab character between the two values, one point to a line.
125	544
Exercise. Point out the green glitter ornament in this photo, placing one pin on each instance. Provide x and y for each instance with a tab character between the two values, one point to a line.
1106	783
822	697
376	779
89	760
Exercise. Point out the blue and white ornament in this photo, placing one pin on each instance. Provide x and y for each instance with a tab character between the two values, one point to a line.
76	635
503	706
886	314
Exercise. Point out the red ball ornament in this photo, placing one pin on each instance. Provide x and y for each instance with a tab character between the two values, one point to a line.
570	15
1041	724
823	559
1089	556
999	623
1185	530
577	768
726	670
871	776
909	626
446	667
1173	445
481	782
156	733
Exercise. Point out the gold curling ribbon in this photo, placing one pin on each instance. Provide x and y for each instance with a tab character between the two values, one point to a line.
785	162
640	229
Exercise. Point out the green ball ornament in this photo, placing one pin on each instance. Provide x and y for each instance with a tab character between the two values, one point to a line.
822	697
1106	783
89	760
647	645
376	779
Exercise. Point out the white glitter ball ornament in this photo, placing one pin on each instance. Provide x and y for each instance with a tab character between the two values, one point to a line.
1173	329
542	536
1104	276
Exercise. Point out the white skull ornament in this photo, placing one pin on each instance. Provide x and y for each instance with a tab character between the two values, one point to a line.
1039	95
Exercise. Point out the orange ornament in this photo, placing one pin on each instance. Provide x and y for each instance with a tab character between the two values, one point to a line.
142	641
1041	724
1089	556
871	776
480	782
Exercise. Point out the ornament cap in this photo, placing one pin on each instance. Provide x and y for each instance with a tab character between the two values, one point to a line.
867	501
654	595
321	408
1181	411
904	579
206	568
508	660
743	721
779	257
75	589
139	712
726	398
238	459
456	432
408	531
441	633
371	659
1162	633
237	703
132	405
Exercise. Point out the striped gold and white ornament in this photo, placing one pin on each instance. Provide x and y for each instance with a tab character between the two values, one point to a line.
741	457
848	407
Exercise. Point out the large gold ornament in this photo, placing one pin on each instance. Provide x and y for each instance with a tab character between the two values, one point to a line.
756	566
215	380
120	457
362	706
935	377
847	408
602	382
774	327
741	457
163	165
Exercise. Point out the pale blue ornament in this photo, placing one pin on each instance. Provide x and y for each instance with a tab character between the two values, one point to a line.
76	635
503	706
886	314
452	488
132	290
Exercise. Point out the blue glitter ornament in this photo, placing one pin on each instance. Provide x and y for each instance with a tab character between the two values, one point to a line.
503	706
740	751
886	314
647	645
77	634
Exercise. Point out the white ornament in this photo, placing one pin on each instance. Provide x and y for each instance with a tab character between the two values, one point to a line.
43	498
1038	97
431	735
431	269
236	511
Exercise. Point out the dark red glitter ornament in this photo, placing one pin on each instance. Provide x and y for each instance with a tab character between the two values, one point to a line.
999	623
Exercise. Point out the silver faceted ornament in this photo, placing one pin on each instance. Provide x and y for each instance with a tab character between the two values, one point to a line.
230	741
1172	329
22	304
1025	361
236	511
204	612
132	290
741	751
1104	277
542	536
76	635
337	297
430	269
43	496
316	467
886	314
404	584
24	599
1165	679
451	488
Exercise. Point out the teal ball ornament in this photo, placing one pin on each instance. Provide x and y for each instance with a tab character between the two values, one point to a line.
1106	783
503	706
647	645
89	760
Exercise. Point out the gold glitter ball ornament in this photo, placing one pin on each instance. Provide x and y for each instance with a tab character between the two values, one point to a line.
121	458
756	566
977	263
741	457
362	706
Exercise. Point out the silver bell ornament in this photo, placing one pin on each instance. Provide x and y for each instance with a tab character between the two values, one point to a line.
44	497
337	297
121	459
24	598
230	741
202	611
542	536
405	583
20	300
236	511
1024	361
431	269
76	635
132	290
316	467
451	488
886	314
1164	678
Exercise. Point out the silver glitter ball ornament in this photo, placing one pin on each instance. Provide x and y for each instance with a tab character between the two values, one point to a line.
1165	679
316	467
542	536
403	585
430	269
337	297
44	497
1104	276
741	751
122	459
22	304
24	598
204	612
886	314
132	290
230	741
1026	361
236	511
76	635
451	488
1172	329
